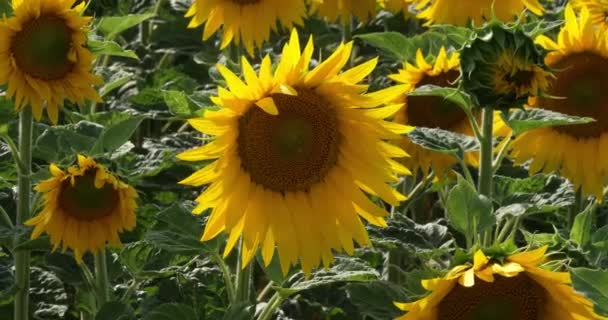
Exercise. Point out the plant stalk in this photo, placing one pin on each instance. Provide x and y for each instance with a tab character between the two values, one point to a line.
101	278
486	172
243	279
274	302
22	258
576	207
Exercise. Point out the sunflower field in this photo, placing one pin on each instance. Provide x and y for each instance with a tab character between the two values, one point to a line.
303	159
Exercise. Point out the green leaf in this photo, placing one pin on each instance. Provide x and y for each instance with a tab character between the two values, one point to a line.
469	212
581	229
453	95
374	300
594	285
170	311
179	231
599	238
110	48
60	142
117	135
443	141
522	120
178	103
135	256
536	194
115	310
48	294
345	270
394	44
112	26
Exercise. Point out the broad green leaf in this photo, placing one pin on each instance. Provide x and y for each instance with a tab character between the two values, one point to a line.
395	44
469	212
115	310
453	95
345	270
530	195
599	238
48	294
179	231
61	142
581	229
374	300
135	256
522	120
443	141
117	135
178	103
116	81
171	311
112	26
594	285
110	48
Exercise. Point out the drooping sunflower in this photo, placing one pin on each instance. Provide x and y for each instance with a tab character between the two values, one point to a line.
516	289
43	57
343	10
431	112
247	22
597	8
478	11
288	168
84	208
580	58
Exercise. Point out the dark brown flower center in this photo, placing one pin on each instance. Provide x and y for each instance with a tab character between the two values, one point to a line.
517	298
84	201
435	112
521	78
294	149
581	84
42	47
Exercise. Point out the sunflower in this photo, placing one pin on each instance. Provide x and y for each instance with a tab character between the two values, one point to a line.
516	289
288	168
247	22
333	10
580	58
431	112
445	12
43	58
84	207
597	8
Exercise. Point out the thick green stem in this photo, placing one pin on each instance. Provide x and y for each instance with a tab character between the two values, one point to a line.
485	161
101	278
243	279
22	258
271	306
227	276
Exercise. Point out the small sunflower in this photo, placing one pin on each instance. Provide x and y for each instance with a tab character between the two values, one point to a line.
43	56
478	11
598	9
431	112
516	289
580	58
288	168
84	208
333	10
247	22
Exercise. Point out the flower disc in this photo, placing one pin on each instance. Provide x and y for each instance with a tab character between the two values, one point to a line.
82	200
293	150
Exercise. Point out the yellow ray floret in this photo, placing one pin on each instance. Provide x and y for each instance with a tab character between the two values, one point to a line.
84	207
598	10
247	22
293	152
517	288
580	58
478	11
43	58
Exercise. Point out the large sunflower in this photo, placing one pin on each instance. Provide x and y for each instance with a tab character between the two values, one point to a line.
247	22
597	8
43	58
84	208
333	10
447	12
431	112
516	289
580	60
288	167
